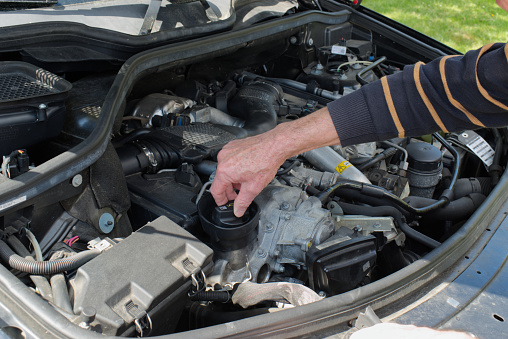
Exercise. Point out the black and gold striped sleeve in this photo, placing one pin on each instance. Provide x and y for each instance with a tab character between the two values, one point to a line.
452	93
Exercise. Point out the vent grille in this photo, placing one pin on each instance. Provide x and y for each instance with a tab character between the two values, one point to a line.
201	134
15	86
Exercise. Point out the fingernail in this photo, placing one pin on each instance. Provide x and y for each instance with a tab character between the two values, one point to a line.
239	212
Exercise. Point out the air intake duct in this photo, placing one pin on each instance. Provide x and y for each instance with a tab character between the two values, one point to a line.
147	155
256	103
171	146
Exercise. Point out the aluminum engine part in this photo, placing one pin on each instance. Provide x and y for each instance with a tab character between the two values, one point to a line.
290	223
302	177
354	151
367	225
326	159
159	104
215	116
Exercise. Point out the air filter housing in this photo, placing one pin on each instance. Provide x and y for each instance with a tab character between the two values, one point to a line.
32	105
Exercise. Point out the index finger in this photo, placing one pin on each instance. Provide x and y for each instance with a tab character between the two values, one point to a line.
222	191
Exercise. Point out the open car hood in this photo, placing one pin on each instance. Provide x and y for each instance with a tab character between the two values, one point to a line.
111	138
128	17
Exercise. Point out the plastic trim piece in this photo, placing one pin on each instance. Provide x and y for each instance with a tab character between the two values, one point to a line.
118	45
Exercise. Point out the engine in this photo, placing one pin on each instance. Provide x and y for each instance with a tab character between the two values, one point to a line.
150	242
333	219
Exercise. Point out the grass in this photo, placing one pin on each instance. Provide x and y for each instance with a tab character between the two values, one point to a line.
460	24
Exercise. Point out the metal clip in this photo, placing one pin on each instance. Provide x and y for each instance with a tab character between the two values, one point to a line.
142	320
150	156
198	277
198	282
143	324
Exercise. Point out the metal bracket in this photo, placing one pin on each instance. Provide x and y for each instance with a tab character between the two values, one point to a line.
150	17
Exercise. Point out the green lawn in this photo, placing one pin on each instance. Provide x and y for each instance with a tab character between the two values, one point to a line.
460	24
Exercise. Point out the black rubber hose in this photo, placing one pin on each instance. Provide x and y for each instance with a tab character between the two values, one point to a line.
206	167
397	216
359	76
379	192
381	156
148	154
486	184
45	267
218	296
455	154
289	168
61	293
214	314
495	170
465	186
360	160
459	209
369	191
499	147
255	103
357	196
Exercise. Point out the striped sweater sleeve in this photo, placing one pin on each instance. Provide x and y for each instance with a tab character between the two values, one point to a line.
451	94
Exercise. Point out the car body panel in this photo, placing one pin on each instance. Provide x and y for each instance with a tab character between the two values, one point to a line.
441	289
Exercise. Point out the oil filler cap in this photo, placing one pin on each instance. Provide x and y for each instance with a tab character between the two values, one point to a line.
224	216
227	232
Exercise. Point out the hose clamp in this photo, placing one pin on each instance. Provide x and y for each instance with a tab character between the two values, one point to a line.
149	155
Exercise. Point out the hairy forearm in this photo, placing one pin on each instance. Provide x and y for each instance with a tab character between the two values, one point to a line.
313	131
249	164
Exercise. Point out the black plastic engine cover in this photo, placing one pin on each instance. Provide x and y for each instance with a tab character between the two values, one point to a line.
32	105
341	263
163	194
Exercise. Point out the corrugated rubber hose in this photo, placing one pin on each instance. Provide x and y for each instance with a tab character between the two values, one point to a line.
45	267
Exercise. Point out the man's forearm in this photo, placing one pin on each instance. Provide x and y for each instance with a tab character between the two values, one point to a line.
313	131
453	93
249	164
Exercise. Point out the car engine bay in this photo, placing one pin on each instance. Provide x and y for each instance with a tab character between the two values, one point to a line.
134	244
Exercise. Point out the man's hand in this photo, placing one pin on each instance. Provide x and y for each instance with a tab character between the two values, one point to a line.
248	165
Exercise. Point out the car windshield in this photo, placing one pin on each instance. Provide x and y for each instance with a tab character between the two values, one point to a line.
133	17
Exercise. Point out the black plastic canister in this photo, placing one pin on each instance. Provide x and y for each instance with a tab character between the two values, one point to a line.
425	167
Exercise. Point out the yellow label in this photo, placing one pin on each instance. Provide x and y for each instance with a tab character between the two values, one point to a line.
343	166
